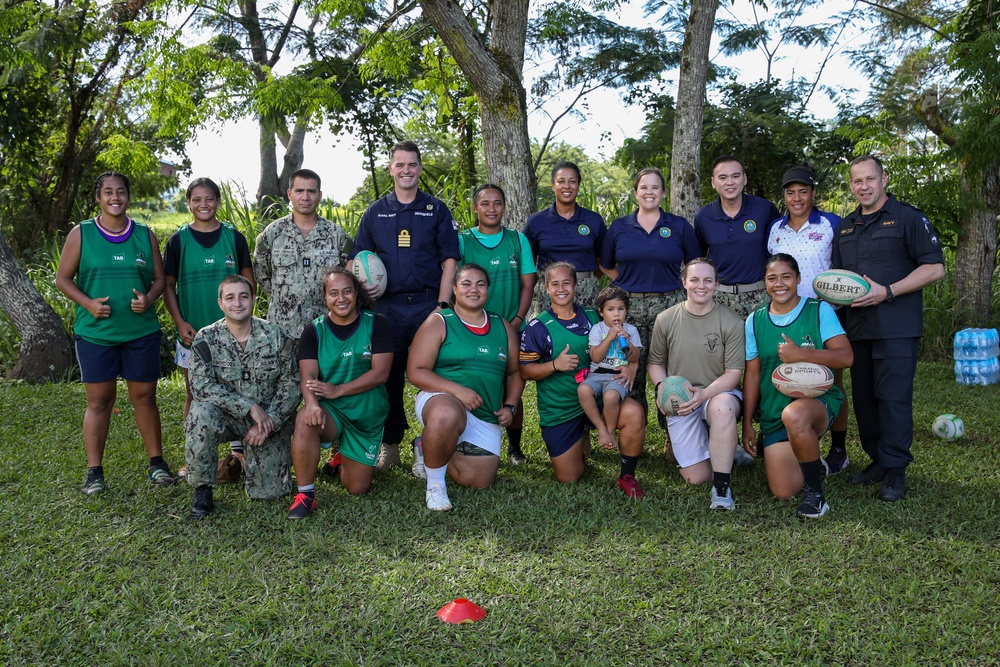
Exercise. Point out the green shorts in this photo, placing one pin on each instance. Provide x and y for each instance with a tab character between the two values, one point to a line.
832	408
356	444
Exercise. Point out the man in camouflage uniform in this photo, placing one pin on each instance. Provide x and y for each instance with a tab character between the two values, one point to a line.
291	253
245	385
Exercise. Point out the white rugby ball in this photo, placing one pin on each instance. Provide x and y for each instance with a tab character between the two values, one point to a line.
676	390
840	286
369	269
802	379
948	427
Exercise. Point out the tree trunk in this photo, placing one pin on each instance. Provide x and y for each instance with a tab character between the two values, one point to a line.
975	257
294	151
268	190
685	157
46	353
495	76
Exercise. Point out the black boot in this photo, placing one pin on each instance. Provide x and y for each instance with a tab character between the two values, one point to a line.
202	504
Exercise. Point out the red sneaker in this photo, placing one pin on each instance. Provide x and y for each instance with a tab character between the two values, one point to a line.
332	467
630	487
301	507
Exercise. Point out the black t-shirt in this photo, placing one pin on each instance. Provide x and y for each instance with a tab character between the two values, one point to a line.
172	251
381	336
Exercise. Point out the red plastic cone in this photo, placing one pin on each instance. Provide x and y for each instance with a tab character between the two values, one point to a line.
461	610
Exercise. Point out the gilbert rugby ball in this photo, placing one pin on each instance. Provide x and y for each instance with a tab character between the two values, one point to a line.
840	286
802	379
676	390
370	270
948	427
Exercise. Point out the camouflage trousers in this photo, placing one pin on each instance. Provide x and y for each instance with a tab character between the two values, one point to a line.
642	314
743	304
586	292
266	467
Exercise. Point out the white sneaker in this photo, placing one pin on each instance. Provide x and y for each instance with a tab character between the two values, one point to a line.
725	502
437	498
418	469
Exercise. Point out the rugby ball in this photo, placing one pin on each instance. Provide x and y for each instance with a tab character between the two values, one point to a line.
676	390
948	427
370	270
802	379
840	286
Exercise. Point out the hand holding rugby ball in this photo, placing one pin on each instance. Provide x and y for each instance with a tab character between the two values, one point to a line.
840	286
802	379
675	392
369	269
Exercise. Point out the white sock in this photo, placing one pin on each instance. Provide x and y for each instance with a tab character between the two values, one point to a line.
436	475
306	488
236	446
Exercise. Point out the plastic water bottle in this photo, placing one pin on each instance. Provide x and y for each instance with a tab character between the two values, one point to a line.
623	343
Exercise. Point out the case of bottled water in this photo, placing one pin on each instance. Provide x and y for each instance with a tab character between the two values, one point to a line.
976	352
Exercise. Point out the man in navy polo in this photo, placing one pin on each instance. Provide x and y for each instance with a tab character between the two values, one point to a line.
732	232
895	248
416	238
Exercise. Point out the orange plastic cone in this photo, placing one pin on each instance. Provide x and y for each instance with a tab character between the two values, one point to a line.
461	610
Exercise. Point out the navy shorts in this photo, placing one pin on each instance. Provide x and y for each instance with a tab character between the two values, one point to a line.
137	360
559	438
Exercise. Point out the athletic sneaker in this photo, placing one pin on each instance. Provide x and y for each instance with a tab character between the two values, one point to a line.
160	475
742	457
836	460
630	487
437	498
94	483
301	507
332	467
515	455
388	456
724	502
813	505
418	469
202	504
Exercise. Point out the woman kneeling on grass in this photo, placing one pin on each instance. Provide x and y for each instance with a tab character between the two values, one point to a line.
344	357
111	269
464	363
554	353
787	330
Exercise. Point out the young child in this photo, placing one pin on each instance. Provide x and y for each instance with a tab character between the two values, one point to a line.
613	365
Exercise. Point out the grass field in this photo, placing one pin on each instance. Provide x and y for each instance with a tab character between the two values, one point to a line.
569	575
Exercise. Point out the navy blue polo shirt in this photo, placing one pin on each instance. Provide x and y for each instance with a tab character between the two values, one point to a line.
738	246
412	240
577	240
886	246
649	262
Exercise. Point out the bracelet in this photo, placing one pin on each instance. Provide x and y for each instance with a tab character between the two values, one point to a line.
520	317
554	369
656	387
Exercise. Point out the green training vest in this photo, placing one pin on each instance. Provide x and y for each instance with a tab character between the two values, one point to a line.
557	399
200	270
476	361
114	270
503	265
803	329
341	361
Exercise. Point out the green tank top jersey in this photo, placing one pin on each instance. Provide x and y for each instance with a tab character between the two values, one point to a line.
114	270
557	399
503	265
360	415
476	361
200	270
803	330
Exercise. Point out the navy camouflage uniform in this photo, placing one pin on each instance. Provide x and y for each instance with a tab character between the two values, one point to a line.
886	246
225	381
289	268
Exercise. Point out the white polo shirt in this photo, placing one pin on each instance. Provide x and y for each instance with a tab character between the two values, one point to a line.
811	246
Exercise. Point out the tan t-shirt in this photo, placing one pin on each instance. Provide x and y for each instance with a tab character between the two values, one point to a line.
698	347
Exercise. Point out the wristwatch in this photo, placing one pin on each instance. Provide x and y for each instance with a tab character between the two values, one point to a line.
889	296
512	408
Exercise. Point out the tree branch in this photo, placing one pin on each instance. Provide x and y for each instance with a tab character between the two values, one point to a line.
911	19
926	106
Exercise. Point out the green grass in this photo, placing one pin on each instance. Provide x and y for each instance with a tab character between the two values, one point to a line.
571	575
